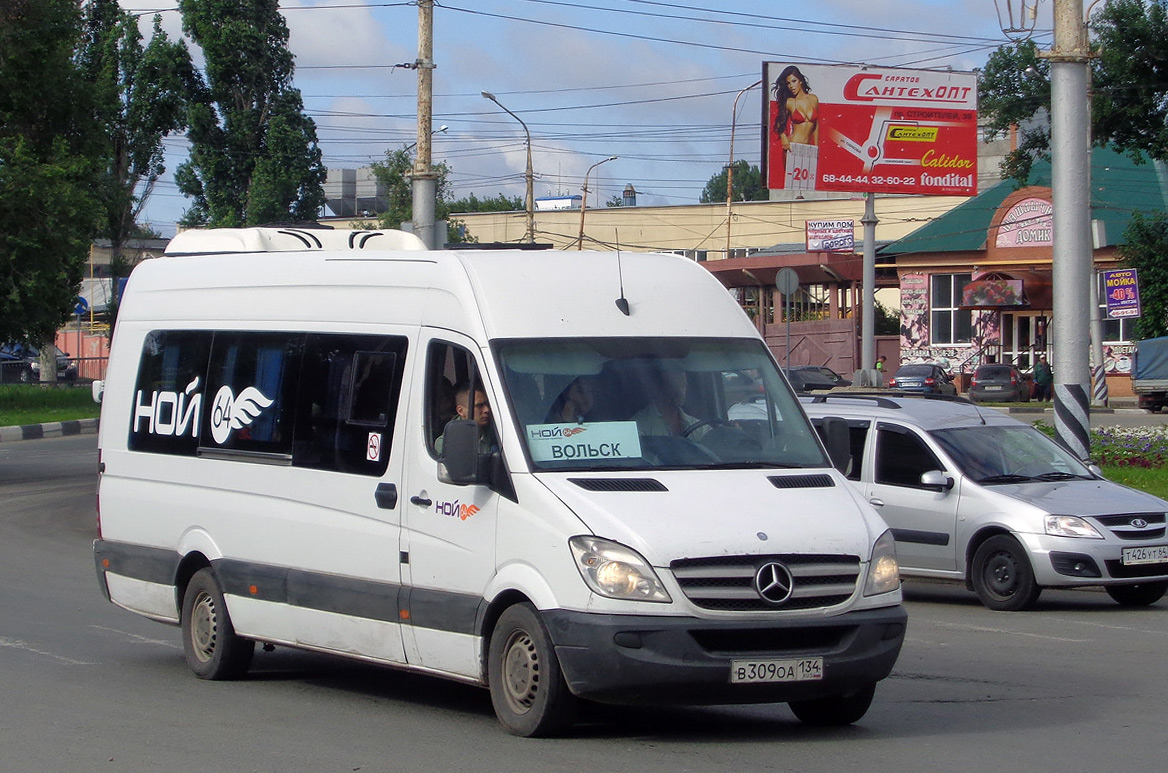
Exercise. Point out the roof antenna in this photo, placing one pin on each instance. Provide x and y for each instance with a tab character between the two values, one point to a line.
622	303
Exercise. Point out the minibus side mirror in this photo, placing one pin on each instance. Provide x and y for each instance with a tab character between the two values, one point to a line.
460	453
834	432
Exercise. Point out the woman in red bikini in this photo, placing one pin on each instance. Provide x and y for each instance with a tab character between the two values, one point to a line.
798	117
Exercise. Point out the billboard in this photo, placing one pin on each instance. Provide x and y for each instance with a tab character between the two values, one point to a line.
831	235
1122	287
880	130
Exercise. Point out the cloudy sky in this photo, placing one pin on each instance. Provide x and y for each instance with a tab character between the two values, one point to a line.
648	81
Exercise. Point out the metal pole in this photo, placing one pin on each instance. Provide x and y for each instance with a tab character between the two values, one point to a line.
1071	270
730	168
584	200
529	203
868	301
425	181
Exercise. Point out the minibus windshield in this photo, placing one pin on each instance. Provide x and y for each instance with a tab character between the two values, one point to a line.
649	403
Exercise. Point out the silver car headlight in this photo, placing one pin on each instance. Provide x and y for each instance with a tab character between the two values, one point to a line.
615	571
1070	526
883	569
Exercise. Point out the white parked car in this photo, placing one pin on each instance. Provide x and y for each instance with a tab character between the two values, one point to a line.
974	495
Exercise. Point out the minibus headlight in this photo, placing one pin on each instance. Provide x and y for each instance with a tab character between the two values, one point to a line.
615	571
883	570
1070	526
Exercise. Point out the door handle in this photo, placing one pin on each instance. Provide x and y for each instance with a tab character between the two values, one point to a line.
876	502
420	501
386	496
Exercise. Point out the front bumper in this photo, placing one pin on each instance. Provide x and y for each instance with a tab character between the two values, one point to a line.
653	660
1062	562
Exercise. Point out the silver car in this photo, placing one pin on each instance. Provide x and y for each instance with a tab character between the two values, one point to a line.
974	495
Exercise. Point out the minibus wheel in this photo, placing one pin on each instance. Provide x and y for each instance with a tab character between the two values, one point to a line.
527	686
212	649
836	710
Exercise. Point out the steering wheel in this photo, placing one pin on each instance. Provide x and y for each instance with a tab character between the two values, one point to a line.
704	423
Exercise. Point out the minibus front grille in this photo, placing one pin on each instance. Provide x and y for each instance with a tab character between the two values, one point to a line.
729	583
619	484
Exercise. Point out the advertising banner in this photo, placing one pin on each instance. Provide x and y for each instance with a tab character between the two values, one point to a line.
877	130
831	235
1122	288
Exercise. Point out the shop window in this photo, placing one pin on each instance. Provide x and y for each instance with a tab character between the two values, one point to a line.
949	324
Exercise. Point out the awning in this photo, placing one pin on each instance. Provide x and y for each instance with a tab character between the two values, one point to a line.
812	267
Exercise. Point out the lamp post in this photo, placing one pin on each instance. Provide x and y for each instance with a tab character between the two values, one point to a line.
530	201
584	199
730	168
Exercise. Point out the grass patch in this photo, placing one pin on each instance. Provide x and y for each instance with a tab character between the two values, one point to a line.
33	404
1153	480
1133	456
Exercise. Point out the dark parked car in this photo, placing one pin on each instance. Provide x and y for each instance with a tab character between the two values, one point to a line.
804	381
824	371
19	362
925	377
999	383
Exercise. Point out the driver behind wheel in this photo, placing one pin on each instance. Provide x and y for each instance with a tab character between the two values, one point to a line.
664	415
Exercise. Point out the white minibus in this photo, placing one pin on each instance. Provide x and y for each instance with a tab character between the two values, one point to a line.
563	476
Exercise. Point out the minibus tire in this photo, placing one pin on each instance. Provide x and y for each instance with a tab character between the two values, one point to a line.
212	649
527	686
834	711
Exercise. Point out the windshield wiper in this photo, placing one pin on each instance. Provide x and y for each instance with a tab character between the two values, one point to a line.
1010	478
1055	475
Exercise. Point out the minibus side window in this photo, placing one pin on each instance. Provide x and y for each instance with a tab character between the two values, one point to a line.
251	390
171	393
347	402
448	367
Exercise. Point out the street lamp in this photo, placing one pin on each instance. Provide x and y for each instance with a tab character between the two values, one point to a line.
584	199
730	168
530	203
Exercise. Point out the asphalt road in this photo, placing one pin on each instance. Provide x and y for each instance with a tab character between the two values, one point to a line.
1077	684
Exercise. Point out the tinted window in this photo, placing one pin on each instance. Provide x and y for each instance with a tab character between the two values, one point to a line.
169	398
311	400
902	457
914	371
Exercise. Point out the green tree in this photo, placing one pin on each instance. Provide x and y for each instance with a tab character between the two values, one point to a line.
1129	92
496	203
254	155
49	151
619	200
1145	248
141	97
748	185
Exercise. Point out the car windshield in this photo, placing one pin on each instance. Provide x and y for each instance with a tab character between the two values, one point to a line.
1009	454
647	403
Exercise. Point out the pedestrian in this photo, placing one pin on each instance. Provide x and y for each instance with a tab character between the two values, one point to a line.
1043	380
880	363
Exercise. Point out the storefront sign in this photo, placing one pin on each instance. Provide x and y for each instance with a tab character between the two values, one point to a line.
831	235
1122	289
1029	223
992	294
845	128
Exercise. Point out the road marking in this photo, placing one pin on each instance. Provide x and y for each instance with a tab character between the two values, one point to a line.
983	629
16	644
136	638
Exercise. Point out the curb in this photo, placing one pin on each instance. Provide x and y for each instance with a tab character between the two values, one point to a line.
53	429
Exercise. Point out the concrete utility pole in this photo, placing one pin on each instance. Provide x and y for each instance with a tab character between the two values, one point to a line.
1071	197
425	181
868	302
